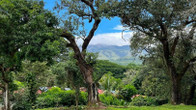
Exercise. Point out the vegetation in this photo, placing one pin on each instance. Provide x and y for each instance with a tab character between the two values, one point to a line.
56	97
163	107
27	31
42	65
165	28
127	92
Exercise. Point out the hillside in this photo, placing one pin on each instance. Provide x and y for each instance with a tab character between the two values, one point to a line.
118	54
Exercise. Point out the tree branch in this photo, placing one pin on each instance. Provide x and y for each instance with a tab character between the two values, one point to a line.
72	42
192	31
189	22
90	35
187	65
89	3
173	48
95	25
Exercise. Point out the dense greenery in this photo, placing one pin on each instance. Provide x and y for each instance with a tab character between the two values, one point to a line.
106	66
163	107
27	31
56	97
110	99
42	65
127	92
143	101
166	31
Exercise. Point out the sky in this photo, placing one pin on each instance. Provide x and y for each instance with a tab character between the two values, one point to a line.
109	32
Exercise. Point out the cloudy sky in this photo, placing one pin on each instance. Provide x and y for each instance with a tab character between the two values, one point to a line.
109	32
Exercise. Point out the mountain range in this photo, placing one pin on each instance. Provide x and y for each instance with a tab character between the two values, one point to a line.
117	54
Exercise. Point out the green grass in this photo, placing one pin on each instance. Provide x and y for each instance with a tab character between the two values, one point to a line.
163	107
60	108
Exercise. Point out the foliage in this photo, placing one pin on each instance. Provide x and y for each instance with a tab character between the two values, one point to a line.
109	83
130	75
19	84
110	99
143	101
34	75
30	31
154	81
165	30
27	31
156	85
31	85
127	92
57	97
104	66
22	100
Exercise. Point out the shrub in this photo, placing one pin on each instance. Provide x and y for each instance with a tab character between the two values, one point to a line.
57	97
143	101
109	99
127	92
21	100
22	105
83	98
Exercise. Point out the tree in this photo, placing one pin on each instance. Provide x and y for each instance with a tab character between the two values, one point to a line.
68	72
79	11
127	92
155	83
131	74
27	31
105	66
110	83
165	29
34	75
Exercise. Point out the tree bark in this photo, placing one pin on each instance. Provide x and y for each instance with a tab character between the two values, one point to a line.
87	71
93	98
6	97
175	77
176	93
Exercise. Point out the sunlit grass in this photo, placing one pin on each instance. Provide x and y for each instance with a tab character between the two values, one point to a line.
163	107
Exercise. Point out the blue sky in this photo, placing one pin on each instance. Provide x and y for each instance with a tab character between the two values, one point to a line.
109	32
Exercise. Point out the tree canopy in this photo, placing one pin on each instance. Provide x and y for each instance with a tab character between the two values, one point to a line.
166	30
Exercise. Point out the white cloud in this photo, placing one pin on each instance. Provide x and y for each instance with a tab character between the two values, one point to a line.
120	28
110	39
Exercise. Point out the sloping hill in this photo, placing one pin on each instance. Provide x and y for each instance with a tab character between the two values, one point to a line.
118	54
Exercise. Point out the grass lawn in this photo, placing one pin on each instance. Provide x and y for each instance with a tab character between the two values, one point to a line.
60	108
163	107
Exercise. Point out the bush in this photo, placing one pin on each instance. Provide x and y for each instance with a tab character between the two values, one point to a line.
109	99
143	101
127	92
57	97
22	105
21	100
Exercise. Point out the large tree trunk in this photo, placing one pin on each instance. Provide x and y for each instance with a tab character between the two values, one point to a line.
93	98
87	72
176	93
6	97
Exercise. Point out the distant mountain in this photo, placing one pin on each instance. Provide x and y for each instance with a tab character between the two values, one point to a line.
118	54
